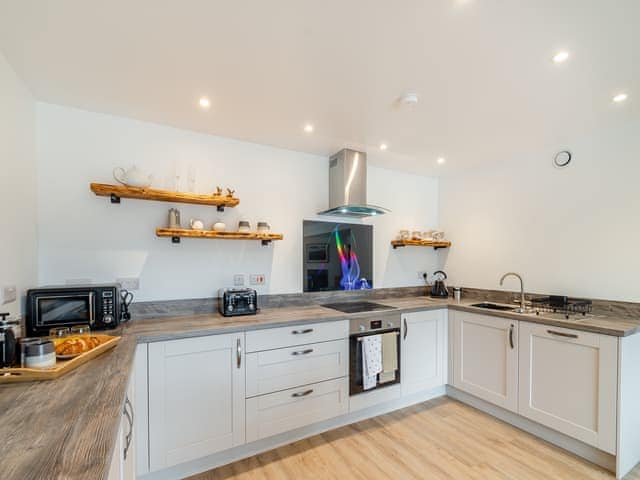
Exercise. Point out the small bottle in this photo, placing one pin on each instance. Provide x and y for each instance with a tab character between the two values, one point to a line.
457	294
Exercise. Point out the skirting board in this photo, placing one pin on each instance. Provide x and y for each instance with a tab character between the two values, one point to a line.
572	445
245	451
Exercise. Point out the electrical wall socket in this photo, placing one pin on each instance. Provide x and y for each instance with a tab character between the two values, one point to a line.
129	283
257	279
238	280
8	294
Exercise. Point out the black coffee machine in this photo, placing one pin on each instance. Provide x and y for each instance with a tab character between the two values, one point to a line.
439	289
7	341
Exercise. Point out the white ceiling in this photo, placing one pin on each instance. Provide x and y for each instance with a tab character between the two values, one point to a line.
488	89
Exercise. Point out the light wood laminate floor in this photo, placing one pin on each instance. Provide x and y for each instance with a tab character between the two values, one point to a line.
440	439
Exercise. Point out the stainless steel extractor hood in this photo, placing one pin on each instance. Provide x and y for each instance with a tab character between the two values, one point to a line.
348	186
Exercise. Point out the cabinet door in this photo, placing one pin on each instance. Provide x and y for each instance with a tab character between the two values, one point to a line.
485	362
196	398
423	351
116	467
568	382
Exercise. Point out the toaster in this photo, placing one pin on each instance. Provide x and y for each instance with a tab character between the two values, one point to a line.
237	301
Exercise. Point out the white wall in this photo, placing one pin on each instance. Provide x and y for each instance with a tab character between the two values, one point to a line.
82	236
17	186
574	231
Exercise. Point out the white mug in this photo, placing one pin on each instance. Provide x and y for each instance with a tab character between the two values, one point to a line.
196	224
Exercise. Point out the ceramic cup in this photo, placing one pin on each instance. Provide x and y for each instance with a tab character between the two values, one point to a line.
196	224
244	226
263	227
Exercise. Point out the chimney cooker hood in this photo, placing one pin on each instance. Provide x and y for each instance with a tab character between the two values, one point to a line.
348	186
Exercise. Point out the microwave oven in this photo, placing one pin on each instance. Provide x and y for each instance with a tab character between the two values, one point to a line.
64	306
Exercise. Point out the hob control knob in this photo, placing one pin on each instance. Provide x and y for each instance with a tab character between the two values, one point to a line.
107	319
251	306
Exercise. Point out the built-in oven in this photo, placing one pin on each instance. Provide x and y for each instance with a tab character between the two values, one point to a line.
387	325
64	306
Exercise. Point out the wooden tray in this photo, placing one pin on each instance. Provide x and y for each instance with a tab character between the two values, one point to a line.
17	374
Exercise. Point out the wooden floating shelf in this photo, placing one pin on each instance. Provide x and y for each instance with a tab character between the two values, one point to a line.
177	233
419	243
116	192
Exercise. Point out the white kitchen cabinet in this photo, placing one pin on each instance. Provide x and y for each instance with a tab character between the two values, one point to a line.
568	382
485	357
123	459
280	412
423	351
283	368
196	398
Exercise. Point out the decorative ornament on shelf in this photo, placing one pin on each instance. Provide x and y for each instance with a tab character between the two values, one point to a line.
134	177
219	191
230	193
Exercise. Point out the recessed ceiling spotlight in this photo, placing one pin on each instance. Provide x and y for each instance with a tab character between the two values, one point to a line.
560	57
308	128
441	160
621	97
204	102
383	146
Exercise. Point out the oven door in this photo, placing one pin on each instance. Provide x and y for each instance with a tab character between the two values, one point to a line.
63	309
355	361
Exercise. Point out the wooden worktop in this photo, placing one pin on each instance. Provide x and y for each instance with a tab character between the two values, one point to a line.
66	428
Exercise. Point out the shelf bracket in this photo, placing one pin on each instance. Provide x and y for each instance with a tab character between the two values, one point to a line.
221	208
398	246
175	239
265	243
114	198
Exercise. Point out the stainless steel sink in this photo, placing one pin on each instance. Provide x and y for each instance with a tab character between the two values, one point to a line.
494	306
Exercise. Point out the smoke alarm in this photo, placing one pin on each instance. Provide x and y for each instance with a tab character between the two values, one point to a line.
409	98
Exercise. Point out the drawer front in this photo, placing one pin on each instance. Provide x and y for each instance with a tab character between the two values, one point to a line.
282	337
275	413
273	370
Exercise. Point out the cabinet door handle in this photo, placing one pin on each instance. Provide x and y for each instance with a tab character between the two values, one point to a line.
562	334
406	328
238	353
302	352
302	394
129	436
511	337
299	332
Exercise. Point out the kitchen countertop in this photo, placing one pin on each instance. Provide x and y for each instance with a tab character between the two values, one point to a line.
66	428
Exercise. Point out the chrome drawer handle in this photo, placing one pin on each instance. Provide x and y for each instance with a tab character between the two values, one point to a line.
511	337
238	353
562	334
303	394
302	352
299	332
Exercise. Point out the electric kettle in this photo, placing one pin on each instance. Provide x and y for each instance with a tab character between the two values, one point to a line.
439	289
